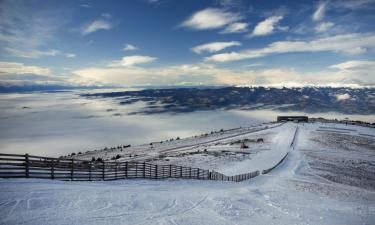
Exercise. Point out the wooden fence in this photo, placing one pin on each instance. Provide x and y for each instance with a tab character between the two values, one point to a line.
29	166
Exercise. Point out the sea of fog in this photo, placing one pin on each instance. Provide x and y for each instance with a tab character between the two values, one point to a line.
53	124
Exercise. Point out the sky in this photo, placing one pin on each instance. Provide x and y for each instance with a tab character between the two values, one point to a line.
186	42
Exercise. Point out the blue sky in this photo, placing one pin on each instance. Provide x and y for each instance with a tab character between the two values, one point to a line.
166	42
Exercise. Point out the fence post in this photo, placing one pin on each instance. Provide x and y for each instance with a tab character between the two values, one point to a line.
198	174
126	169
170	171
190	172
180	171
27	174
103	171
53	170
156	171
136	170
116	170
144	170
72	170
89	171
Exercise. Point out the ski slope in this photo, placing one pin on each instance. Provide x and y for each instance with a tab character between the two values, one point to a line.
318	183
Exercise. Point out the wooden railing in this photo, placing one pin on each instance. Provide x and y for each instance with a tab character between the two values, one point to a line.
29	166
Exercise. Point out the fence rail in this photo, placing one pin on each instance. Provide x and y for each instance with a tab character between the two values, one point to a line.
30	166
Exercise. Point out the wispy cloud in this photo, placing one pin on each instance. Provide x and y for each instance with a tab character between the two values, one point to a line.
235	28
70	55
320	11
95	26
129	47
353	4
25	28
266	27
129	61
203	73
86	5
210	18
323	26
32	53
354	65
107	16
360	72
214	46
354	43
7	68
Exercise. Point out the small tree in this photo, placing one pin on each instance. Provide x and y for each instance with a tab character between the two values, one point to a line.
118	156
93	159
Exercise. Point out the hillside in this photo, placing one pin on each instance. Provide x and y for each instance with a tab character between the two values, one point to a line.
327	178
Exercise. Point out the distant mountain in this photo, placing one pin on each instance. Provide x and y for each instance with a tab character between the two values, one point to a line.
307	99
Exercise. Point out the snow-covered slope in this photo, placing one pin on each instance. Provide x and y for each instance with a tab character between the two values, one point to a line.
327	178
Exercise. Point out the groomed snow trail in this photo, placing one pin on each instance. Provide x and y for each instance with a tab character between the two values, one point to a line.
290	194
266	159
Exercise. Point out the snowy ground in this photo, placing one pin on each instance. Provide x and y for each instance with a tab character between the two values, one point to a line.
327	178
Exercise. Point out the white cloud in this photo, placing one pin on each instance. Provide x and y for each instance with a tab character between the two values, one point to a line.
354	65
129	61
324	26
214	46
320	11
209	74
107	16
7	68
70	55
25	28
129	47
210	18
32	53
235	28
356	71
85	5
96	25
266	27
354	43
342	97
353	4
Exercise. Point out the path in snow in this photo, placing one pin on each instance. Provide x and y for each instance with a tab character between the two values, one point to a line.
266	159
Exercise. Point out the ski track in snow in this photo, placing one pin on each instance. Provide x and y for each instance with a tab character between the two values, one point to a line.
298	191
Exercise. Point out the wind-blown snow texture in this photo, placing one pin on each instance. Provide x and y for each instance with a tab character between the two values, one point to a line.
321	181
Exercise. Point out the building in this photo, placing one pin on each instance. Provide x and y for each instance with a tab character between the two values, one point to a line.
292	118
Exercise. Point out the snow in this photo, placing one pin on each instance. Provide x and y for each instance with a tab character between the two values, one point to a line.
280	145
320	182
